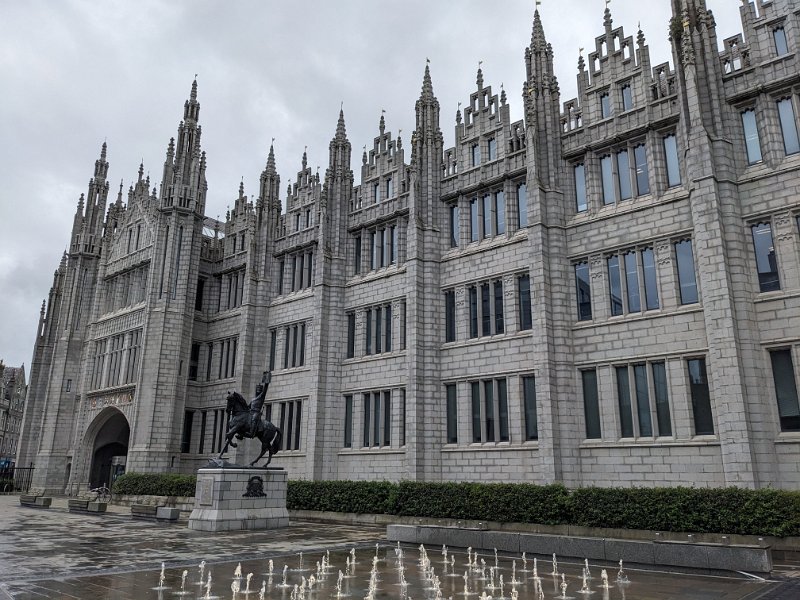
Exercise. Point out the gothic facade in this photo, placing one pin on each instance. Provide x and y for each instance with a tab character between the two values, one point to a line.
12	403
606	292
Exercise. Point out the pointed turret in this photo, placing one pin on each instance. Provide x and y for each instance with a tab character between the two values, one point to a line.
538	41
427	144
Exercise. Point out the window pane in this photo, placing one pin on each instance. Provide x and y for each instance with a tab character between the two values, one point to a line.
492	149
605	106
473	312
476	412
351	335
487	216
662	398
686	277
627	97
387	419
624	400
452	415
607	175
584	291
500	214
673	164
522	205
650	279
642	177
368	333
529	397
376	419
642	400
502	409
781	47
766	262
580	188
454	232
791	144
624	175
751	141
525	317
357	261
499	325
387	330
591	406
785	389
486	313
450	316
632	282
367	411
488	403
378	324
614	285
473	220
476	155
701	400
348	421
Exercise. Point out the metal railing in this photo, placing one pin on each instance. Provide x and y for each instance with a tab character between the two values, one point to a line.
14	480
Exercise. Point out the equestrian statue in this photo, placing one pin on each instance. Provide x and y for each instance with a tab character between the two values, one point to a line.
244	421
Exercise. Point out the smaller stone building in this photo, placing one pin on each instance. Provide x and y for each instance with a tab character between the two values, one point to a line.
12	405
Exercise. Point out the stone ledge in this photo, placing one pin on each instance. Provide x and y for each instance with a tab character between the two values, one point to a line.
35	501
84	506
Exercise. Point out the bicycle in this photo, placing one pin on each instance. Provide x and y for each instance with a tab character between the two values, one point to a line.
101	494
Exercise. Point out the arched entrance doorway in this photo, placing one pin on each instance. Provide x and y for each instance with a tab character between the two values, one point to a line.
109	449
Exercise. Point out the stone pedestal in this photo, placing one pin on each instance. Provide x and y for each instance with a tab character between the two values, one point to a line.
228	499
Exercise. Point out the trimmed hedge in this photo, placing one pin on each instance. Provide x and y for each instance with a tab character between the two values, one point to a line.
155	484
718	510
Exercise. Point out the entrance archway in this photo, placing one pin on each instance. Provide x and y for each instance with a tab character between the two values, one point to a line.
109	449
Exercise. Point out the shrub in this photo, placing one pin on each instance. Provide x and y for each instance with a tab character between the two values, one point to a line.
374	497
155	484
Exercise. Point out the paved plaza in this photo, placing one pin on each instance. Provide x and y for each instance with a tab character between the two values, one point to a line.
53	554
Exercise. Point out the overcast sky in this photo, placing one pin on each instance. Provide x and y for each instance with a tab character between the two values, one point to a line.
76	73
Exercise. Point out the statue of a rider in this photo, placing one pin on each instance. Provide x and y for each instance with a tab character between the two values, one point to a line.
258	402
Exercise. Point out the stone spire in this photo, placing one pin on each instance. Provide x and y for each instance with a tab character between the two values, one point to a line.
341	132
427	86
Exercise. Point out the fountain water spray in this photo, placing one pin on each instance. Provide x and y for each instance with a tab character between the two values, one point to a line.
202	567
604	578
208	586
237	573
585	587
495	560
183	581
563	587
339	584
501	587
247	586
271	568
161	578
262	592
285	573
621	576
466	583
524	563
586	568
555	566
514	573
469	557
235	587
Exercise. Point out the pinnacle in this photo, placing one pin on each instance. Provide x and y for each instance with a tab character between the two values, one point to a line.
479	79
270	168
538	40
193	94
607	20
341	132
427	85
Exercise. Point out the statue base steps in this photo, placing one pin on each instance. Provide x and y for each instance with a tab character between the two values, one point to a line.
236	499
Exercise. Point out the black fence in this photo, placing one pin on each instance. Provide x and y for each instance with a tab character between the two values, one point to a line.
14	480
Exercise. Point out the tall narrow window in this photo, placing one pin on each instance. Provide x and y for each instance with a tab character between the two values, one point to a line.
351	335
662	398
492	149
287	345
500	213
701	400
642	400
614	285
605	106
378	327
186	438
450	316
348	421
402	417
779	35
487	216
454	230
387	419
488	410
394	247
686	276
387	330
583	291
624	400
607	176
372	261
367	419
368	333
486	310
522	205
529	399
650	279
591	405
624	175
389	188
525	316
642	177
502	409
785	389
791	143
751	142
273	342
476	155
766	263
473	312
673	164
499	324
475	387
452	414
357	256
281	268
376	187
632	282
474	233
580	188
194	359
627	97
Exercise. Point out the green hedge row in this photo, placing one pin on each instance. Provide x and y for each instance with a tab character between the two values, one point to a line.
155	484
719	510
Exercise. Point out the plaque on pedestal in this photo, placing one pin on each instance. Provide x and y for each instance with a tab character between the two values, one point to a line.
228	498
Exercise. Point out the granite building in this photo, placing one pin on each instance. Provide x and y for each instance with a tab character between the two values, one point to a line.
12	403
606	292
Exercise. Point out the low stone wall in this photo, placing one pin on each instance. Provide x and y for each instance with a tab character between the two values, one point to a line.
182	503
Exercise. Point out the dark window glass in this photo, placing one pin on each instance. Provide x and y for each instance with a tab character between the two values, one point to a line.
348	421
500	213
488	403
351	335
785	389
605	106
580	188
273	342
781	47
387	330
450	316
624	399
287	342
766	263
673	164
650	279
751	141
487	216
452	414
186	438
203	420
476	411
378	324
686	276
454	231
402	417
367	414
607	176
476	155
372	250
662	398
281	266
591	406
627	97
632	282
701	400
791	143
522	205
492	149
499	325
615	285
198	298
473	312
368	336
642	400
584	291
357	267
529	397
525	317
642	177
387	419
194	359
624	175
474	233
502	409
486	313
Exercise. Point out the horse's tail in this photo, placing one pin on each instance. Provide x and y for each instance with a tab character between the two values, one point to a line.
275	442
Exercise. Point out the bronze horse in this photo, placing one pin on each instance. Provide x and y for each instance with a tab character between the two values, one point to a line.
245	422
